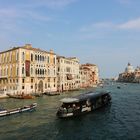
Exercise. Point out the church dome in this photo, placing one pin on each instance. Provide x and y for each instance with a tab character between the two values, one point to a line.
137	69
129	68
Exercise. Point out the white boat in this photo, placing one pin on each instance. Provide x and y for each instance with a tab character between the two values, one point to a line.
6	112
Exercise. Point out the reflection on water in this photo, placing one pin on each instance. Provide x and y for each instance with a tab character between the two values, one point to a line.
120	120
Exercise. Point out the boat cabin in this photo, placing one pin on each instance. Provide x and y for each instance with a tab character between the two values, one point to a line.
83	103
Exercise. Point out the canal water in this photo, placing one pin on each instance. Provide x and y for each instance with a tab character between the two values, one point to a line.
118	121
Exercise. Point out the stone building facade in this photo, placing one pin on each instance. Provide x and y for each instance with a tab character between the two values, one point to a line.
68	73
137	75
130	75
89	75
27	70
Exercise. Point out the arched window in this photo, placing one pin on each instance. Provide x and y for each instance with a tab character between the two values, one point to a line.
31	57
48	71
31	70
42	58
22	70
54	60
35	57
48	59
23	56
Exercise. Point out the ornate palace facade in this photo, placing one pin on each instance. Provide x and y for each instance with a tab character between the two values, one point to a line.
68	73
30	70
27	70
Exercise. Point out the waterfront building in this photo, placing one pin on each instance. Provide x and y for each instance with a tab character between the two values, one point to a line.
89	75
130	75
84	77
68	73
137	75
127	75
27	70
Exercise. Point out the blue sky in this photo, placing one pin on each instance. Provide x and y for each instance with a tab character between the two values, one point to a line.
104	32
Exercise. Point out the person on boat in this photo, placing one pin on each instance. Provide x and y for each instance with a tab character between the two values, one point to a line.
88	103
74	106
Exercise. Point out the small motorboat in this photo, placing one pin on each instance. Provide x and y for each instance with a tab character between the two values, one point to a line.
22	96
83	103
6	112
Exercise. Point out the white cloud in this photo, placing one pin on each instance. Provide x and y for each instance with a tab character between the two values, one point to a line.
15	14
36	16
110	26
132	24
95	26
52	4
101	30
11	19
14	17
10	13
58	3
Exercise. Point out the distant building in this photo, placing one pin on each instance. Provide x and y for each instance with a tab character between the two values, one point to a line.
68	73
130	75
129	68
89	75
27	70
137	75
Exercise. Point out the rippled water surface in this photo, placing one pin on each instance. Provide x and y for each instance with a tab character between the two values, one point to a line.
118	121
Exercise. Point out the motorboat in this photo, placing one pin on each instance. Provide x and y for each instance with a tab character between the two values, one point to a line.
6	112
21	96
83	103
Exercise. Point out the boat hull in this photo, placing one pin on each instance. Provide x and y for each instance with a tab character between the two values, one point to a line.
79	112
21	96
5	112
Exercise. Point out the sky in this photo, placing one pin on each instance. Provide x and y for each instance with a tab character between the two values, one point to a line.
102	32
